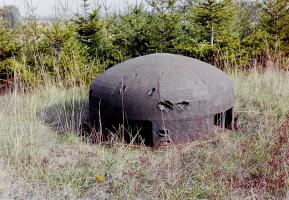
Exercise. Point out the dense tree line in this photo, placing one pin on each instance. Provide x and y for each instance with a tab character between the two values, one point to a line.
226	33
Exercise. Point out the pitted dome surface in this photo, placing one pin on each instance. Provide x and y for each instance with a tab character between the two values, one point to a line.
162	88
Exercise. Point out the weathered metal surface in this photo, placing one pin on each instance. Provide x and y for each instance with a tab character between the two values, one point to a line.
173	98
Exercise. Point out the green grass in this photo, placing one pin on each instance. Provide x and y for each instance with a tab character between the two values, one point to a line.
42	155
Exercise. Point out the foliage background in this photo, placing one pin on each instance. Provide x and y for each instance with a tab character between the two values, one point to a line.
229	34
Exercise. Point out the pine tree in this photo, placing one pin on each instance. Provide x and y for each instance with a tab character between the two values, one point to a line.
133	32
9	51
248	17
167	29
212	16
141	32
275	21
252	38
8	44
91	33
167	25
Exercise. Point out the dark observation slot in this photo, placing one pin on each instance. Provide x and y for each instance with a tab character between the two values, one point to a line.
138	131
143	129
225	119
111	120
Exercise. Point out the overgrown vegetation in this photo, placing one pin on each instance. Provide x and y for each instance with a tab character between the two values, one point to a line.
43	154
228	34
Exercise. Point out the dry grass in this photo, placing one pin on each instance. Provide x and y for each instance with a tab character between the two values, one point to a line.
42	155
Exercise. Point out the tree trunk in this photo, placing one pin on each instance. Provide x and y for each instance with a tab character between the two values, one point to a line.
212	36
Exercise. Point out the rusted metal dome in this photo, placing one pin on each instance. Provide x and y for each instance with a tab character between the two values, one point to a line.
170	98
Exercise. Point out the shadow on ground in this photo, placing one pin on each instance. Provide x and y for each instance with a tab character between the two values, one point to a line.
72	117
67	117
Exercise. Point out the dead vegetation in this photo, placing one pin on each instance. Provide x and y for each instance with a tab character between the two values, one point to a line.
43	156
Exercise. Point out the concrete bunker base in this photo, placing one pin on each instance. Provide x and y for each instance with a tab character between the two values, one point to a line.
156	133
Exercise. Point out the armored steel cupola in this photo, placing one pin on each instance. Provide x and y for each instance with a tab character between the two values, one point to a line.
167	98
